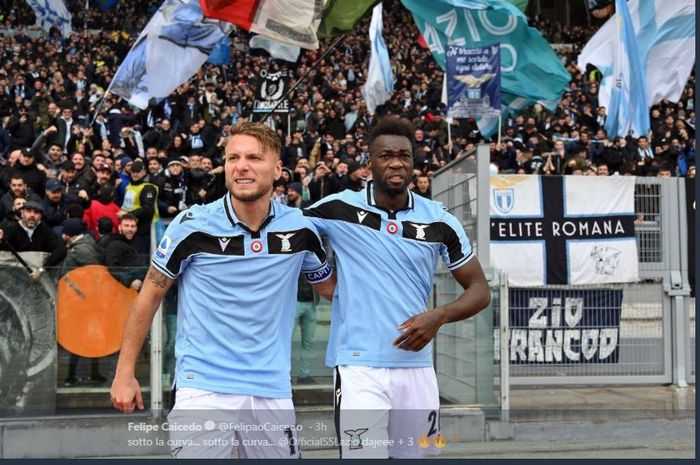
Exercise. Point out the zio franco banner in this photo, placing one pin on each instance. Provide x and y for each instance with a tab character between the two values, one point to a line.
563	229
555	326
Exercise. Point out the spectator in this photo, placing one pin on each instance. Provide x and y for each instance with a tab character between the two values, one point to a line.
422	186
29	234
125	263
17	188
54	206
140	200
102	206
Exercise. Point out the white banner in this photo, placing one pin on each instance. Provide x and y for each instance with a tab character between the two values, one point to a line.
563	230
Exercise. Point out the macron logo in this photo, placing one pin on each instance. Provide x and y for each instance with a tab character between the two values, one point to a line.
361	215
223	242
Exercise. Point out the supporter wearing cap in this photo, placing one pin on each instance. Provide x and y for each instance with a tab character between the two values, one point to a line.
172	190
30	234
54	205
140	199
26	167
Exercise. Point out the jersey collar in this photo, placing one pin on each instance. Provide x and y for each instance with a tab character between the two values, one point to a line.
231	215
369	194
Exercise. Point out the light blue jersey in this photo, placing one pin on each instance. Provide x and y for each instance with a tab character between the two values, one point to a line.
385	263
237	295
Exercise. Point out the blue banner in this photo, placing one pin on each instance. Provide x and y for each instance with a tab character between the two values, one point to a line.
564	326
106	4
473	81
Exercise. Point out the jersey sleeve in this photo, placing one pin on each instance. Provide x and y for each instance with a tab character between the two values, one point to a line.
315	266
171	256
455	249
317	217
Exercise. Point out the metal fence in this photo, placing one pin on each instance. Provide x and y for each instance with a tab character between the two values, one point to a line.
655	328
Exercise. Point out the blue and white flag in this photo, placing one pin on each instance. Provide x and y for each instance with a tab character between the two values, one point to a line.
172	47
473	81
380	78
221	55
665	38
276	49
628	111
52	13
566	230
531	71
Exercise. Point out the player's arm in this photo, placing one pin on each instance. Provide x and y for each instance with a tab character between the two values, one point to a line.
125	388
420	329
327	287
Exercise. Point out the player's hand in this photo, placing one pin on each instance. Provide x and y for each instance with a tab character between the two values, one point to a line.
126	390
419	331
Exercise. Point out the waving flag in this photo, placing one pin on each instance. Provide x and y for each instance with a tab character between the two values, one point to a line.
530	70
288	21
221	55
52	13
173	46
664	33
342	16
380	79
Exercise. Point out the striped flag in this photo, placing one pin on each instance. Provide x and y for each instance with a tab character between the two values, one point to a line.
380	79
665	38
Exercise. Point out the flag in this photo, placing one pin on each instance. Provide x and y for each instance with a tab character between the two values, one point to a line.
665	39
276	49
106	4
628	110
530	70
341	16
221	55
52	13
289	21
380	79
566	230
172	47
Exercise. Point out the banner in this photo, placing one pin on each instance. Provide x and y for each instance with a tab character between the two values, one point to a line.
473	81
564	326
531	71
271	88
52	13
563	229
690	209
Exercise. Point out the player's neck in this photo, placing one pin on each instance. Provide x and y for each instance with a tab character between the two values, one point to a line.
390	202
251	213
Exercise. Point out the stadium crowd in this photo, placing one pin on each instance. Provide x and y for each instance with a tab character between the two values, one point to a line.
71	151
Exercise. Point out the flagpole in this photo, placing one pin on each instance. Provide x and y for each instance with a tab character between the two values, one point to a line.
499	128
301	79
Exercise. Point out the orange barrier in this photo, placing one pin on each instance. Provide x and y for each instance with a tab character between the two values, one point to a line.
91	310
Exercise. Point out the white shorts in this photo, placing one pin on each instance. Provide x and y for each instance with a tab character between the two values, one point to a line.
386	412
205	424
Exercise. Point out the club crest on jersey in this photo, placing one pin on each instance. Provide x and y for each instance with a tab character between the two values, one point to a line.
256	246
163	246
286	245
420	230
355	437
392	228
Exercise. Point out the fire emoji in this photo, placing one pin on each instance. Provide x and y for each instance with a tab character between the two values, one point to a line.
440	441
424	442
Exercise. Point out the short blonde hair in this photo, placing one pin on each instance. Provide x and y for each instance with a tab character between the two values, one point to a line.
267	138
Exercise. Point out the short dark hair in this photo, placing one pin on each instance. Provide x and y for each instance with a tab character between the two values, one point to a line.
392	126
75	210
105	225
128	216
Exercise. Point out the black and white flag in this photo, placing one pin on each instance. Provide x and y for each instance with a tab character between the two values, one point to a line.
563	229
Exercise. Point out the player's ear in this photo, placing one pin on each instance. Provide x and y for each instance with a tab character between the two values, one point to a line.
278	170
